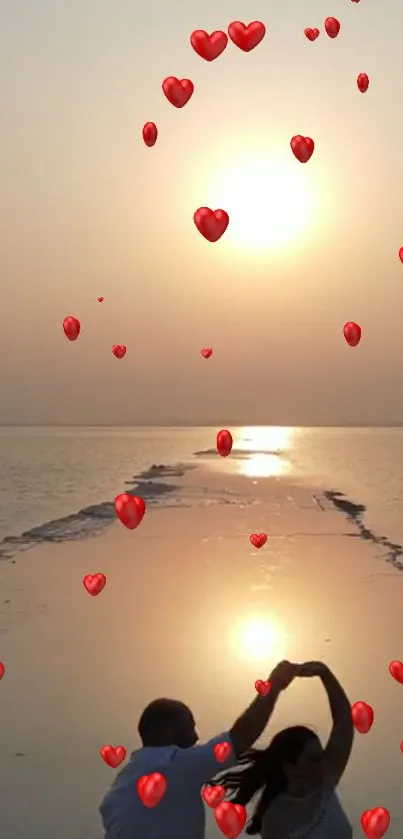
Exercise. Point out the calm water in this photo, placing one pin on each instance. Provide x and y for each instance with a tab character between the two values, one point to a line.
47	474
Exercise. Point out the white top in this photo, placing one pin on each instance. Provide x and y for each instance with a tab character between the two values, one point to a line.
180	814
328	822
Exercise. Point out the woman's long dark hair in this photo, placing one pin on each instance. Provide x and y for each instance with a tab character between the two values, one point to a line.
264	771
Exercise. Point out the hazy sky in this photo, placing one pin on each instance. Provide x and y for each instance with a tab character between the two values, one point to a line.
86	210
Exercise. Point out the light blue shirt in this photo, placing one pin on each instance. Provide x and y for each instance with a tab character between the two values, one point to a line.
180	814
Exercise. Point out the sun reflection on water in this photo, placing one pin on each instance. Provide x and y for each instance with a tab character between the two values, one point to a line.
265	451
259	638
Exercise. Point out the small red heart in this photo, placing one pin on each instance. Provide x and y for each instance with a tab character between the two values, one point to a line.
396	670
362	82
100	299
207	352
207	46
151	788
258	539
213	796
375	822
311	34
230	818
352	333
150	134
302	148
401	254
263	688
246	37
94	583
177	91
113	756
222	751
212	224
2	670
119	350
332	27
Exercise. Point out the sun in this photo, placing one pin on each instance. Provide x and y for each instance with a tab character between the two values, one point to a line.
269	202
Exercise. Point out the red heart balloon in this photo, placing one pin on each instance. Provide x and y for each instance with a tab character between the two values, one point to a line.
207	352
262	688
94	583
100	299
119	350
363	82
2	670
151	788
129	509
363	717
332	27
231	818
396	670
207	46
212	224
375	822
258	539
177	91
246	37
150	134
311	34
302	148
224	443
352	333
222	751
113	756
401	254
213	796
72	328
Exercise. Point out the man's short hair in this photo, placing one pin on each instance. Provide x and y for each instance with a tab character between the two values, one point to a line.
159	714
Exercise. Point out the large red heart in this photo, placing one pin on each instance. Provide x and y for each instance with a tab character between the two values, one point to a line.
207	46
113	756
151	788
222	751
246	37
211	224
230	818
177	91
130	509
213	796
375	822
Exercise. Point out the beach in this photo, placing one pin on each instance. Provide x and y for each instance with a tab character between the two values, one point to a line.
185	596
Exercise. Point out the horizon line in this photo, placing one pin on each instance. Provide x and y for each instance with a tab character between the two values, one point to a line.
373	424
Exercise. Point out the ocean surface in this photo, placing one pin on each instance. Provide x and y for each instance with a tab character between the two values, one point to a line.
60	483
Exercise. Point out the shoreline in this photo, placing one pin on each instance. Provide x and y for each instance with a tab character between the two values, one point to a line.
93	521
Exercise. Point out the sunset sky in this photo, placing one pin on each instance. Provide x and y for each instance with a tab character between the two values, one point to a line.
87	210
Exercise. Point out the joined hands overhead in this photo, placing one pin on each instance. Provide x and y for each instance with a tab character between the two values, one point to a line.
285	672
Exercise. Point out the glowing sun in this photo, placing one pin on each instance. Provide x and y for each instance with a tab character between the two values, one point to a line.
269	203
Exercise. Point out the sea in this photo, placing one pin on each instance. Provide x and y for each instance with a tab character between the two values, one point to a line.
59	483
